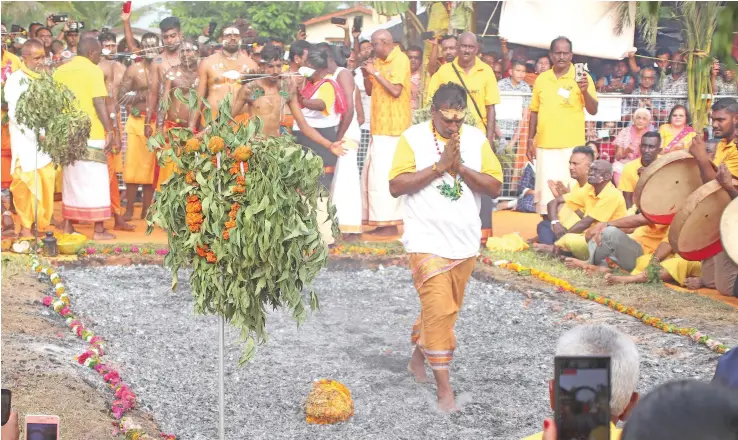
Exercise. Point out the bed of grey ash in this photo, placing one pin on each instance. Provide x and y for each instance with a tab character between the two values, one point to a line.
360	336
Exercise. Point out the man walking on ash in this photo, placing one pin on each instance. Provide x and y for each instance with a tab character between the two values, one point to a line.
442	189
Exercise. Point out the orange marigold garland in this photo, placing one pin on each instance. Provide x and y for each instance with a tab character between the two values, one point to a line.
242	153
216	144
329	402
565	286
192	145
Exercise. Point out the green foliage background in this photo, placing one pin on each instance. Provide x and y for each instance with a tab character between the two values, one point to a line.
95	14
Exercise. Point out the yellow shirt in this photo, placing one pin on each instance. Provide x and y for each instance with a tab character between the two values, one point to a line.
614	434
608	205
327	94
86	81
667	136
649	236
567	216
727	153
560	107
391	116
480	81
629	176
404	160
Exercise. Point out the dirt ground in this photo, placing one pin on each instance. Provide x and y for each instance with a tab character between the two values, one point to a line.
38	363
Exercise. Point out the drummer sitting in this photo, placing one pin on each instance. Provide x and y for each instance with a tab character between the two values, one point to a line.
719	272
599	201
650	150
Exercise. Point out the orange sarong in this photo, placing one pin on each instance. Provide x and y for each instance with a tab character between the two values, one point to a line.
113	181
7	157
440	283
163	173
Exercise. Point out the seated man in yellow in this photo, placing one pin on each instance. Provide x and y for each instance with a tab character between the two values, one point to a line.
599	201
603	340
650	150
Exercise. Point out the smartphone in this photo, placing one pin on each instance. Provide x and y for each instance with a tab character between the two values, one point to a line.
301	28
105	29
60	18
338	20
42	427
427	35
127	7
582	397
211	28
5	407
358	23
15	29
581	68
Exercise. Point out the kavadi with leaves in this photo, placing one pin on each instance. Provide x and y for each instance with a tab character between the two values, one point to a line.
50	110
241	210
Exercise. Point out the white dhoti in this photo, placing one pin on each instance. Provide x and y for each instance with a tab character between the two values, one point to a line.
85	190
551	164
346	190
380	208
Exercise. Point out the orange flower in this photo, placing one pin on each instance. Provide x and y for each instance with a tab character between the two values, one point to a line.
192	198
240	180
216	144
192	145
239	189
194	207
214	160
210	257
230	224
242	153
245	167
235	169
235	206
226	235
202	250
190	177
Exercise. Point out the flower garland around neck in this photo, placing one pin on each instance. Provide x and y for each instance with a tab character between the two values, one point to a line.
451	192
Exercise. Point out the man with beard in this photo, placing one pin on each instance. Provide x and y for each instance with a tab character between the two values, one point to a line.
719	272
612	239
84	194
171	37
221	73
140	162
449	49
113	71
30	193
174	113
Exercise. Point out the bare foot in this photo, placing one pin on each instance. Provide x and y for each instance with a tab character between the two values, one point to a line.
693	283
104	235
419	375
385	231
611	279
575	263
128	216
545	248
447	403
122	225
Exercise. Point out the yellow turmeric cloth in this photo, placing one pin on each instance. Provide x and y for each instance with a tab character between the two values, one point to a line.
26	195
58	179
440	283
140	162
679	268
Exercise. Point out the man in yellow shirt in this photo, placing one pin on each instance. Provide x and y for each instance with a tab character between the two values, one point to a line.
599	201
442	186
650	150
603	340
478	79
557	118
718	272
10	63
85	189
387	81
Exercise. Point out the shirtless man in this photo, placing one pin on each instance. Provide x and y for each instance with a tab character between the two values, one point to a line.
222	72
267	97
171	37
140	162
113	71
174	113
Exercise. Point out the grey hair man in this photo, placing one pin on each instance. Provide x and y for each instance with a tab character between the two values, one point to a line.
604	340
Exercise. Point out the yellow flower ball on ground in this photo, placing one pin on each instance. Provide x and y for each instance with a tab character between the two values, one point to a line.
216	144
329	402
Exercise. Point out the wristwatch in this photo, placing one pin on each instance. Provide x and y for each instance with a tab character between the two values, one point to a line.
554	222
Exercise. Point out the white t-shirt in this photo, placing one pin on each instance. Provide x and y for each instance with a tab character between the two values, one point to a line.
23	145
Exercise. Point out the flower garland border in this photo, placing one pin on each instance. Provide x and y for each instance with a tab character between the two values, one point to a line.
564	286
125	399
96	249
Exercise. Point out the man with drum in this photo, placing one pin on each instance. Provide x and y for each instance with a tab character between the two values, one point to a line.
719	272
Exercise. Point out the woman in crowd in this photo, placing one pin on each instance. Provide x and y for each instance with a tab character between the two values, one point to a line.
677	134
628	141
595	148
